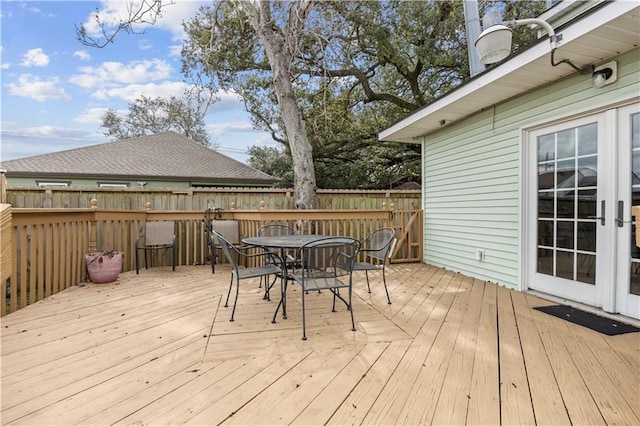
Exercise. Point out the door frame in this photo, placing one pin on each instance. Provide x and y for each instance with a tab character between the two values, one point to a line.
606	296
625	303
569	289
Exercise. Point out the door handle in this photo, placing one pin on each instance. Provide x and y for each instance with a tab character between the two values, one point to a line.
620	216
601	217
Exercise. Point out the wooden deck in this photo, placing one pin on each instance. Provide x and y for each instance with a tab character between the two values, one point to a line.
158	348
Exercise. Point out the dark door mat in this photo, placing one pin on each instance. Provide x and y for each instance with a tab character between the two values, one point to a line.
587	319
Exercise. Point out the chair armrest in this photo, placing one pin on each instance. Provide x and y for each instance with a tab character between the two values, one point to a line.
264	253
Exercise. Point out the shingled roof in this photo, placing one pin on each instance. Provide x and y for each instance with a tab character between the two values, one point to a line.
167	156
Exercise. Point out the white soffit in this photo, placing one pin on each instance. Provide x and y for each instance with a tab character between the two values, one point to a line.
609	31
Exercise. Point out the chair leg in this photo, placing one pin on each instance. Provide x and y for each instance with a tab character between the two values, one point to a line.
146	266
136	256
226	303
268	288
282	303
353	323
173	257
304	324
284	284
384	280
235	302
366	273
212	249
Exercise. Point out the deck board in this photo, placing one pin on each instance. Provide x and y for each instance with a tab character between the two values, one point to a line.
158	348
453	400
484	393
545	394
514	387
579	403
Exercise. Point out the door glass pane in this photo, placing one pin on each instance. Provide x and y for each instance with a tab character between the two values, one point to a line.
588	139
635	200
567	197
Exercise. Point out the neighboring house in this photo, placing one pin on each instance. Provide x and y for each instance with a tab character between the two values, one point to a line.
408	185
502	201
164	160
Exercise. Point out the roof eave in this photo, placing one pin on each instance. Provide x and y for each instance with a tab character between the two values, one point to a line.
480	92
67	176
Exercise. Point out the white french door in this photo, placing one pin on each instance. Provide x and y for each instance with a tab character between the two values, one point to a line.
582	175
627	295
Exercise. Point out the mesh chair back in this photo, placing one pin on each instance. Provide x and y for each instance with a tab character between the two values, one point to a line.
378	243
227	248
327	264
326	258
229	229
275	230
159	233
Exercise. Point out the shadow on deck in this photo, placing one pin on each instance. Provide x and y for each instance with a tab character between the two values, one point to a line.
158	348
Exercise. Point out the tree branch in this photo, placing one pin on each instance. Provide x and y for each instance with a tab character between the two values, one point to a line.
147	13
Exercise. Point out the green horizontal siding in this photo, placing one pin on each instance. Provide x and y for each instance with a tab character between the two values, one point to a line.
472	177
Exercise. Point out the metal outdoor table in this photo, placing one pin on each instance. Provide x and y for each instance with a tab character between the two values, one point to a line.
282	243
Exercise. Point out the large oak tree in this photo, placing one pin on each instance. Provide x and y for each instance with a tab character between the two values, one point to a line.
324	77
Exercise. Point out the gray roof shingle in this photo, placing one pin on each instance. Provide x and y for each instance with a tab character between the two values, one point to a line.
165	155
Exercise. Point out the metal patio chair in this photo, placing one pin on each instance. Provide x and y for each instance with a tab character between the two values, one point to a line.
235	255
377	247
326	264
274	231
230	229
157	236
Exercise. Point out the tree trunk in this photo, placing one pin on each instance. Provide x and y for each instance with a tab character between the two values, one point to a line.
278	46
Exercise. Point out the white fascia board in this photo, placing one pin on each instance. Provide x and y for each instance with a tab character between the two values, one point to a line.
604	15
482	80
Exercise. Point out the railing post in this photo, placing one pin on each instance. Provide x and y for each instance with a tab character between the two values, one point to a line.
93	230
7	257
3	187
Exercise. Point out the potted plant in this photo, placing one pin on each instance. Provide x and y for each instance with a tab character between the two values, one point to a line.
104	266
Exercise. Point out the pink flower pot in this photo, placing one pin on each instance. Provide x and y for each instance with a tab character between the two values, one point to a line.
104	267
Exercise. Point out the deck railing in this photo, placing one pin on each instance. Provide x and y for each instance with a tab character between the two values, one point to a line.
43	249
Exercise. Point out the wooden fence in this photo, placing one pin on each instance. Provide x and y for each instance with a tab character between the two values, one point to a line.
203	198
47	246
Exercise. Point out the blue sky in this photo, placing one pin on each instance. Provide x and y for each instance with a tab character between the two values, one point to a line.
55	90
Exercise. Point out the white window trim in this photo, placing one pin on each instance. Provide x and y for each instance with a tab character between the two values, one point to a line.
58	183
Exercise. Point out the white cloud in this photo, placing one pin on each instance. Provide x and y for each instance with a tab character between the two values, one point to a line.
179	12
265	138
134	91
110	74
35	58
29	8
227	101
144	44
82	54
175	50
4	65
91	116
219	129
31	141
30	86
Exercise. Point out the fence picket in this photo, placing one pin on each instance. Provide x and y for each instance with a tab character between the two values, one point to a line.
48	245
